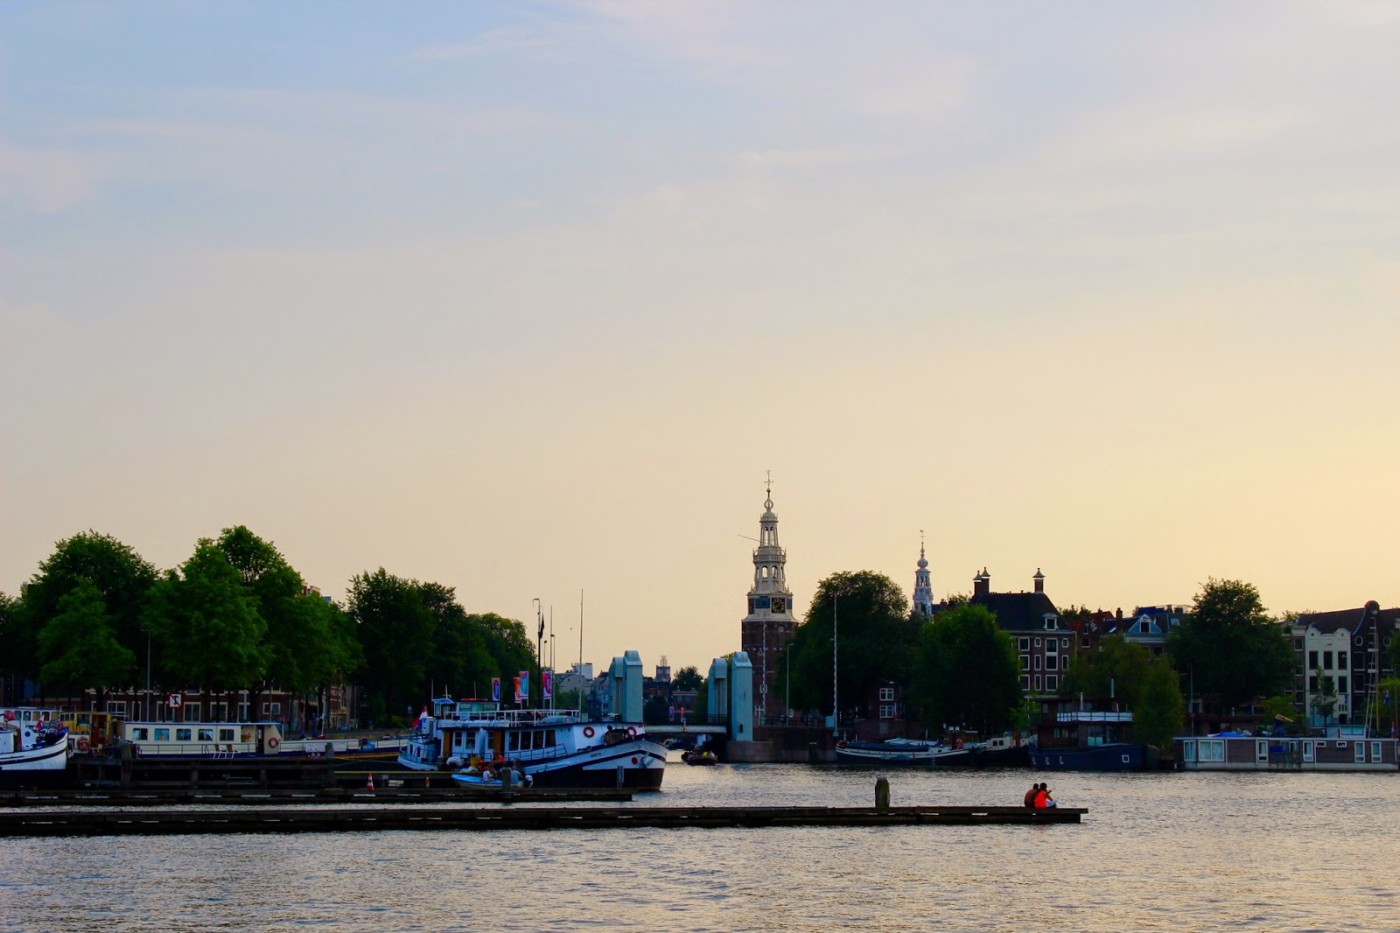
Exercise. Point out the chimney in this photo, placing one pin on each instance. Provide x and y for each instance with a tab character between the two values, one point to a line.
982	583
1039	581
1119	613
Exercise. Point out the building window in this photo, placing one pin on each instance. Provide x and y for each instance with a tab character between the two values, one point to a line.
1064	643
1025	681
1037	642
1327	660
886	694
1038	687
1341	660
1051	682
887	711
1342	686
1312	660
1051	662
1051	646
1037	664
1024	644
1025	663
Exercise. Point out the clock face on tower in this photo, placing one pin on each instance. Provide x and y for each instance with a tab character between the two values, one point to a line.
778	604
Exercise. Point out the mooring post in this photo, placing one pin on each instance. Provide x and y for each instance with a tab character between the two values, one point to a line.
882	793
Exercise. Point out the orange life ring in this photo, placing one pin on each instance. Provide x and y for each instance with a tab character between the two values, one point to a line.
631	732
588	732
274	742
82	743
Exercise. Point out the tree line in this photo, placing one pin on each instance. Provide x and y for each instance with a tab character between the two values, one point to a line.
237	616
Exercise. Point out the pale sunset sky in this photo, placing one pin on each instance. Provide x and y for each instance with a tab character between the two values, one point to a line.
525	298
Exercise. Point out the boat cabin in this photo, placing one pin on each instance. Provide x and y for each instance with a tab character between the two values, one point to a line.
204	739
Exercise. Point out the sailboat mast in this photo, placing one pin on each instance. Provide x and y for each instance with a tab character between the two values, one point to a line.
835	684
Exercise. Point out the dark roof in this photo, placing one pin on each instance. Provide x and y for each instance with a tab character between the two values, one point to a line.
1349	619
1020	612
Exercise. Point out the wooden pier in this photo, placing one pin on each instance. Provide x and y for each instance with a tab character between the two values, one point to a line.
348	819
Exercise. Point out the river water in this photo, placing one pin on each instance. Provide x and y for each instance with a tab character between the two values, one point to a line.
1276	852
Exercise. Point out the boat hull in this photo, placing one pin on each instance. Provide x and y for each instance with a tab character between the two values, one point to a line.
1112	757
36	766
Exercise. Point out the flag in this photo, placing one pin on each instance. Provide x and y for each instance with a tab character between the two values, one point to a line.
541	626
496	689
524	686
546	684
422	719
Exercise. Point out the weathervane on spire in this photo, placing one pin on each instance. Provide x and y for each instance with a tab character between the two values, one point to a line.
768	491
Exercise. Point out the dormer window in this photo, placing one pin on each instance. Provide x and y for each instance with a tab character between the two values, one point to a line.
1049	623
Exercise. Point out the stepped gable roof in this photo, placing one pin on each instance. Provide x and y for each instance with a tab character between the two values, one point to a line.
1020	612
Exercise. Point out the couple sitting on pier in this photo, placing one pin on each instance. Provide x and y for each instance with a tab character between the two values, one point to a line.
1039	796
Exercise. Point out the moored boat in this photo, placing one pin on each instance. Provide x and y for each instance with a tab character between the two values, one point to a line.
549	747
1089	740
698	756
1286	753
898	752
237	740
33	751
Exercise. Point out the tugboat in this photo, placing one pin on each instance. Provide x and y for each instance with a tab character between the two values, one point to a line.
549	747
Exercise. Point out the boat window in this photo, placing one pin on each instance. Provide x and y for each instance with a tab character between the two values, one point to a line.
225	735
1375	751
206	735
162	735
512	741
182	735
1359	752
139	734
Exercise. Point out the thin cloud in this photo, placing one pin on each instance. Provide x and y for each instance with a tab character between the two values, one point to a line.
47	180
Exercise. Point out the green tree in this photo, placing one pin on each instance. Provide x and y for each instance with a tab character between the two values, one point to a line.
965	672
688	678
306	646
870	614
395	631
1117	669
207	625
1126	671
1324	702
78	649
121	576
1230	648
1159	710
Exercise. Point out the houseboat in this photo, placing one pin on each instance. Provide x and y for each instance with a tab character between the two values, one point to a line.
1239	752
549	747
234	740
1089	740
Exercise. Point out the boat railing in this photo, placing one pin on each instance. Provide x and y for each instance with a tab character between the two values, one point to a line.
517	717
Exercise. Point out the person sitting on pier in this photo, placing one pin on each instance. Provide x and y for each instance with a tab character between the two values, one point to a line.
1030	795
1042	795
1049	801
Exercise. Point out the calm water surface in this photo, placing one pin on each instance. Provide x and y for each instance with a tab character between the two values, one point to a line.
1294	852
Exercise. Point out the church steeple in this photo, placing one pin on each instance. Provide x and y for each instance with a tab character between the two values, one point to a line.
923	589
768	627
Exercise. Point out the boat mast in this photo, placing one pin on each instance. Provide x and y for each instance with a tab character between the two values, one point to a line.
835	684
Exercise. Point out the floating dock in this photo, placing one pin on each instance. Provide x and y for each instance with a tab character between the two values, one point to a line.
343	819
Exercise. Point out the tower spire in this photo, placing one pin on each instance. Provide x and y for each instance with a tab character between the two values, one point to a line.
769	625
923	589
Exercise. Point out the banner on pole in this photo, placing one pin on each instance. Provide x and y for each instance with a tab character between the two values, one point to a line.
546	684
496	689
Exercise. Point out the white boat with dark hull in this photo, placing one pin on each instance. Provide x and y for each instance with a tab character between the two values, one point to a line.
897	752
32	751
549	747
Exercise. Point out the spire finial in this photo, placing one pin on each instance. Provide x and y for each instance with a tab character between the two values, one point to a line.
768	491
